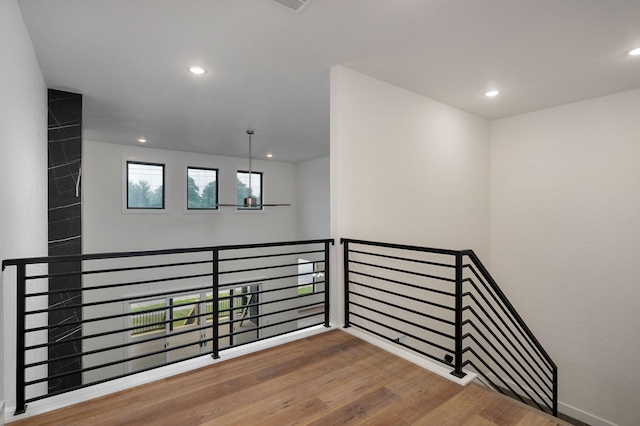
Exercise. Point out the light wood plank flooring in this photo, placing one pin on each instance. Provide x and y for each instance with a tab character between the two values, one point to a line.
329	379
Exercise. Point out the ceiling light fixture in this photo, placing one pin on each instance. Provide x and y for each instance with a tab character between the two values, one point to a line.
269	155
492	93
198	70
634	52
142	140
250	200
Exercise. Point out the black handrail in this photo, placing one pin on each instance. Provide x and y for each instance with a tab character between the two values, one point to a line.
493	339
164	278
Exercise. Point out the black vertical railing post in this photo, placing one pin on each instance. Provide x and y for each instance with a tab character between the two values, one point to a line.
21	299
555	391
215	296
457	362
345	265
327	269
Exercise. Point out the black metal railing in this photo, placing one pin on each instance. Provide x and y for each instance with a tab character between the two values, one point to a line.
445	305
142	310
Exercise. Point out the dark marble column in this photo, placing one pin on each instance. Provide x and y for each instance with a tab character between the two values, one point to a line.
65	162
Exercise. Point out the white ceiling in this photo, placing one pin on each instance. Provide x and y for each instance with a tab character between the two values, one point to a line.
268	67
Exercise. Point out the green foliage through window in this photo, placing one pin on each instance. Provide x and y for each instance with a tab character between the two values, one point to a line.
242	187
145	185
202	188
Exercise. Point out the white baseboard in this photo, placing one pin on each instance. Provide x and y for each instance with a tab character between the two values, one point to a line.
583	416
424	362
92	392
570	411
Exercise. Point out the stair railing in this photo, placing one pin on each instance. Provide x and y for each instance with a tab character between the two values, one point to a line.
444	304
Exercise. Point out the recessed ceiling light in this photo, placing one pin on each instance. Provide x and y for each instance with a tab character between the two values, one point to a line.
142	140
269	155
634	52
198	70
492	93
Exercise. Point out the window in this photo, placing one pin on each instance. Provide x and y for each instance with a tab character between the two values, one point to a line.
243	190
310	274
145	185
202	189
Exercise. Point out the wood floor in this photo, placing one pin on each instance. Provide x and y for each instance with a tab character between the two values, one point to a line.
329	379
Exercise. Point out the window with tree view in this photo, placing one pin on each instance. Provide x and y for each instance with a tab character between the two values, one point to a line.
243	190
145	185
202	188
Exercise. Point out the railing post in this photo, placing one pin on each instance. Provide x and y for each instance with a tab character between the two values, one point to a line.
327	269
21	299
555	391
458	320
215	300
345	265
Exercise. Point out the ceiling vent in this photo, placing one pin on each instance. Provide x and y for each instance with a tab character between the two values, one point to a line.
293	5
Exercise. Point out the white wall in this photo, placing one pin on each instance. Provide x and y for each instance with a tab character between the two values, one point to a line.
312	199
405	160
565	242
405	168
23	171
106	228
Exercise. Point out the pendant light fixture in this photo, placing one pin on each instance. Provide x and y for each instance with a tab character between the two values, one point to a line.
250	201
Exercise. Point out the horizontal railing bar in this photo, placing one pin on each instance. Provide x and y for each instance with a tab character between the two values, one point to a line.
109	364
268	302
120	330
126	299
402	320
258	281
132	283
402	307
387	268
399	246
513	380
272	335
415	299
516	326
403	332
531	367
164	335
104	271
99	256
262	256
505	309
432	290
263	268
276	244
261	327
428	355
295	308
508	304
516	370
123	345
164	322
496	388
479	305
163	308
404	259
272	290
